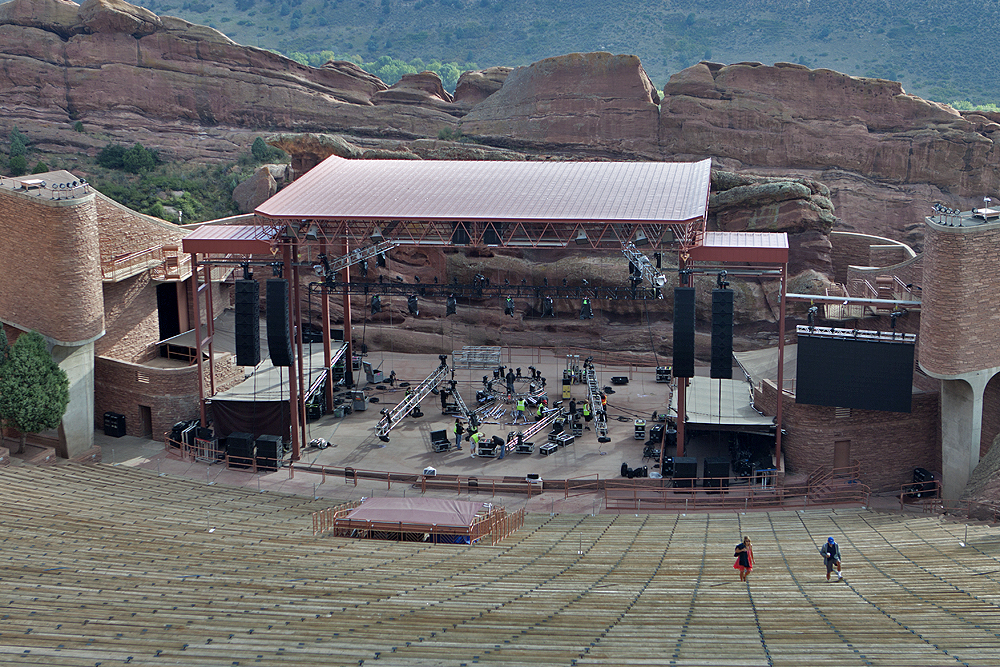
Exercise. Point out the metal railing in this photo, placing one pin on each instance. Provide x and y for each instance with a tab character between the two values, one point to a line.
681	497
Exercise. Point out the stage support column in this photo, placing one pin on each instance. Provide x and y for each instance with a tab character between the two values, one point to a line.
682	383
293	384
197	337
781	368
961	430
345	277
296	306
327	353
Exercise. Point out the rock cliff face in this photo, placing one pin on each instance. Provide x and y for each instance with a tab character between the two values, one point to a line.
193	94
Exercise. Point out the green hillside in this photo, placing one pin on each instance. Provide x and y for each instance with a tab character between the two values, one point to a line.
938	50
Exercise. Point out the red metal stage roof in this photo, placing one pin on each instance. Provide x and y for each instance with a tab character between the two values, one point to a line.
229	239
339	189
744	247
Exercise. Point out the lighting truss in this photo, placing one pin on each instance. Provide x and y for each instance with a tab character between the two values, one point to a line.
480	290
645	267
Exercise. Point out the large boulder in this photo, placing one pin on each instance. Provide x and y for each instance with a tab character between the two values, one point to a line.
423	89
592	100
256	190
474	87
118	16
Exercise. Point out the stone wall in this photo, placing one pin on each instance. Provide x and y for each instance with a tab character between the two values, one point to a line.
48	266
170	393
123	231
961	282
131	319
888	445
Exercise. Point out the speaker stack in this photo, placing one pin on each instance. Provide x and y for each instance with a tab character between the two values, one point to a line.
683	332
269	452
716	472
722	334
241	449
279	345
685	471
247	322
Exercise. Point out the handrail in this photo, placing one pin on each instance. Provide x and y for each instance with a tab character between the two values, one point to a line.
683	498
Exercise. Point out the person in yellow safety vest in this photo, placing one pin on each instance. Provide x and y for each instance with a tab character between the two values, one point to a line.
540	412
586	412
474	440
458	434
520	411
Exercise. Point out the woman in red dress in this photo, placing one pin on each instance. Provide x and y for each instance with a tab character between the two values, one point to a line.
744	558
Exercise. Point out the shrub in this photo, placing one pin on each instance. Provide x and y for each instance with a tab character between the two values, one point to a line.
40	168
138	159
111	156
78	126
18	166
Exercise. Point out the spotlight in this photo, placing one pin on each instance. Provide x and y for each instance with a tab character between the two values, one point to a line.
508	307
640	239
451	306
318	270
380	259
411	304
581	237
376	236
376	304
586	312
364	268
313	233
547	307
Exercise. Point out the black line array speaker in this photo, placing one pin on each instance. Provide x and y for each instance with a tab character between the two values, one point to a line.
279	344
685	471
684	332
722	334
247	322
241	449
269	452
716	472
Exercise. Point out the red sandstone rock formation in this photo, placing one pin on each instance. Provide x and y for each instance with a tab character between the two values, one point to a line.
583	100
474	87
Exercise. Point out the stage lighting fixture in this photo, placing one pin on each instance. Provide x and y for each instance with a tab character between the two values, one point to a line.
376	236
508	307
376	304
640	239
364	268
318	270
412	306
547	307
581	237
586	312
669	236
313	233
380	259
658	256
451	306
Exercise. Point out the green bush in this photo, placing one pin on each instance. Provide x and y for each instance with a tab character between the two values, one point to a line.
78	126
17	147
138	159
18	166
111	156
40	168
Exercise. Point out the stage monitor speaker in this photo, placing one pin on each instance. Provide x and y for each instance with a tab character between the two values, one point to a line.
722	334
685	471
684	332
279	344
247	323
716	472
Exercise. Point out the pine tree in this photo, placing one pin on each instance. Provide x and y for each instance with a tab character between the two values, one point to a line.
34	390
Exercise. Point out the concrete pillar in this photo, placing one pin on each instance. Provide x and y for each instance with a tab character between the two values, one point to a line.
76	432
961	429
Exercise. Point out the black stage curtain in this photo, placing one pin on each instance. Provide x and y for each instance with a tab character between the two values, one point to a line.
256	417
